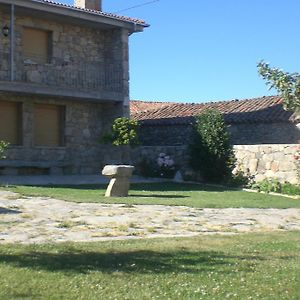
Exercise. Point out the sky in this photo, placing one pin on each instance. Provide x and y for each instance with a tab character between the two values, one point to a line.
207	50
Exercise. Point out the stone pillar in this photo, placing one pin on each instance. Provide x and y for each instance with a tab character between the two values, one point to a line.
119	180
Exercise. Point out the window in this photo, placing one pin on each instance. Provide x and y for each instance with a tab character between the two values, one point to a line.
36	45
11	122
49	125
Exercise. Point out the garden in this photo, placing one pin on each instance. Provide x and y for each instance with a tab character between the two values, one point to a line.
166	240
212	265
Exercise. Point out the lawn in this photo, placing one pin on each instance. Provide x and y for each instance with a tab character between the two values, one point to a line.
249	266
193	195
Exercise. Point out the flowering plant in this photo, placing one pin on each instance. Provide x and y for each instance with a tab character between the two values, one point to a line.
166	166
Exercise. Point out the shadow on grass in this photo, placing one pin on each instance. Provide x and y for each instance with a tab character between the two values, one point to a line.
8	211
156	186
144	262
157	196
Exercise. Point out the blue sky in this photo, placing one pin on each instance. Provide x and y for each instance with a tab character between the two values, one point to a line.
207	50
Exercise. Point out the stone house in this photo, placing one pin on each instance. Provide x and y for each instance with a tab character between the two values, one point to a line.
64	77
264	135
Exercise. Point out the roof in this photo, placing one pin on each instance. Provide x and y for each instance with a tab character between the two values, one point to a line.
263	110
139	106
66	9
91	11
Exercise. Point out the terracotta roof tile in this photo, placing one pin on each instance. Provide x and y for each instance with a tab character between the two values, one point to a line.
264	109
139	106
97	12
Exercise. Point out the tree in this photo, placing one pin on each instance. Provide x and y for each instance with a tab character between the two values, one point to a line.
287	84
123	132
211	152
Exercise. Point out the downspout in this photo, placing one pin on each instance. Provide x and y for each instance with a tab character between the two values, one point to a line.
12	42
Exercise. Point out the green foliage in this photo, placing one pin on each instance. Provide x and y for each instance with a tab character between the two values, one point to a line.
274	186
163	167
3	147
146	168
268	186
287	84
123	132
239	179
210	151
290	189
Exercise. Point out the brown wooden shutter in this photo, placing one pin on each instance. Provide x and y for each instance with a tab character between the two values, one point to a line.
36	44
10	122
48	125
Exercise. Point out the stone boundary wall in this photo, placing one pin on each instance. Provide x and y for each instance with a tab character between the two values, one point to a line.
261	161
240	134
268	161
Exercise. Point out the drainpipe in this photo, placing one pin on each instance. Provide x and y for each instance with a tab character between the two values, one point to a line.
12	43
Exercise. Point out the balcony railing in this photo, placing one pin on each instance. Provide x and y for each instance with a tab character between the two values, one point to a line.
64	74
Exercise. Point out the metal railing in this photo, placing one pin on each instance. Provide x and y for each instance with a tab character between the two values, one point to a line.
82	75
4	66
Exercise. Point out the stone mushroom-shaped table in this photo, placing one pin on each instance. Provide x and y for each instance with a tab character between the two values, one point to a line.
119	179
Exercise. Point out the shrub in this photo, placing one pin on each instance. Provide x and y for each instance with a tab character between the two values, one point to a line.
290	189
268	186
163	166
3	147
210	151
274	186
123	132
146	168
240	179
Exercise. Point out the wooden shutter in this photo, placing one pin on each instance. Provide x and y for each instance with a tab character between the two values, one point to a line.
48	125
10	122
36	44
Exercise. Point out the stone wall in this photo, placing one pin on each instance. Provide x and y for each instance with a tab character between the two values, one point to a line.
264	133
241	134
165	135
268	161
85	123
261	161
80	56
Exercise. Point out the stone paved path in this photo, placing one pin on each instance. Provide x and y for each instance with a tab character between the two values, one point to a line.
41	220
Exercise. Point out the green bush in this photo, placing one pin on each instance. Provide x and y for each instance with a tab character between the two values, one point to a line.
267	186
123	132
240	179
290	189
163	166
146	168
273	185
3	147
210	152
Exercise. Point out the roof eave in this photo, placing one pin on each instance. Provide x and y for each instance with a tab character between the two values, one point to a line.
77	13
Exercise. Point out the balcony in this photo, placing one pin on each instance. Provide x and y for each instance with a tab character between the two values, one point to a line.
76	79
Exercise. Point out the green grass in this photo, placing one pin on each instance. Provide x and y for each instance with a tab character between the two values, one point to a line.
192	195
249	266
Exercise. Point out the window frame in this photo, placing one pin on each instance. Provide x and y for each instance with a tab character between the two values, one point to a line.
62	125
19	126
35	57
